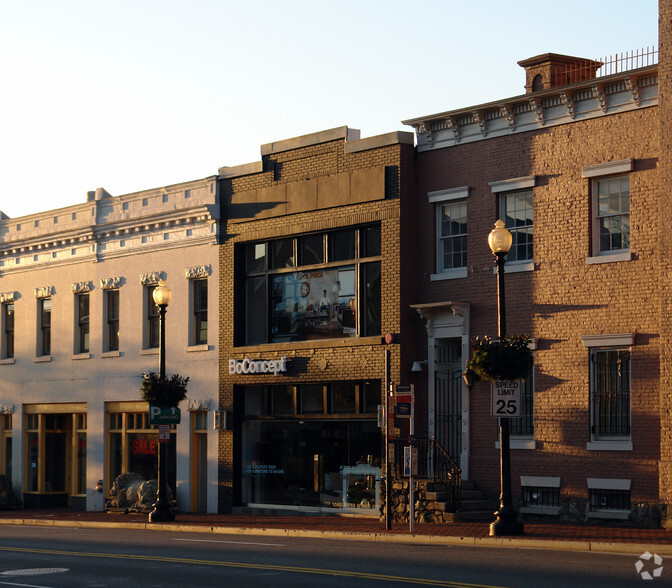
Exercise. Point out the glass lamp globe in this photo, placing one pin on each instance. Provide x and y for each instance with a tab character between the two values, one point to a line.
162	294
499	238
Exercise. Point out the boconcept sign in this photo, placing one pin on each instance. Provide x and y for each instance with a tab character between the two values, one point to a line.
257	366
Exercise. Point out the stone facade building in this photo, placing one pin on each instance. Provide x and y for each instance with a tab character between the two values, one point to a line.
78	328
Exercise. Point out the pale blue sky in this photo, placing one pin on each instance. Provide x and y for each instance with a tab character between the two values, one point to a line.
137	94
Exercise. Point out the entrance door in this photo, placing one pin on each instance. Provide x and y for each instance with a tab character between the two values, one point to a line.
448	396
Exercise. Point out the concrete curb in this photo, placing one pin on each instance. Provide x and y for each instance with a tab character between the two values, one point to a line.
516	542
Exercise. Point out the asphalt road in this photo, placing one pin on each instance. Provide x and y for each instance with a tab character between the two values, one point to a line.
52	556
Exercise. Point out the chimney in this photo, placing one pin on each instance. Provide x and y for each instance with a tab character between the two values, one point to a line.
550	70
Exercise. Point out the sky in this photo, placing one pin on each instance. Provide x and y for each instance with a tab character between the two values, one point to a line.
138	94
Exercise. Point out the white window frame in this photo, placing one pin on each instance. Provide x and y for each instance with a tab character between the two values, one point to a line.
596	173
4	358
193	345
107	352
438	199
541	482
502	188
615	342
622	484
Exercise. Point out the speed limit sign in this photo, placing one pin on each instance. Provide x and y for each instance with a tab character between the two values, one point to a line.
506	398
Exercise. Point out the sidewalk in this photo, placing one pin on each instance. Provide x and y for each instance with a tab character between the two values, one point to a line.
538	535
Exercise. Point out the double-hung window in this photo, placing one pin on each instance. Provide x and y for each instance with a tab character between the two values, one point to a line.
112	320
316	286
200	311
44	326
451	232
82	309
152	318
7	330
610	208
610	397
516	210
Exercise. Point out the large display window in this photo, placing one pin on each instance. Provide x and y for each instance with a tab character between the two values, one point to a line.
315	445
299	288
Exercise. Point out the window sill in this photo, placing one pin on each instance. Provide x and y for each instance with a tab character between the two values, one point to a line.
519	444
608	514
110	354
81	356
542	510
7	361
197	348
150	351
609	258
311	344
609	446
43	358
451	274
514	267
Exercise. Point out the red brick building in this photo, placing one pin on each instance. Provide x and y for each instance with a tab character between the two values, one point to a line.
574	167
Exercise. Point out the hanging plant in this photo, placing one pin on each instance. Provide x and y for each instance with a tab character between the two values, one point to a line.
169	392
509	358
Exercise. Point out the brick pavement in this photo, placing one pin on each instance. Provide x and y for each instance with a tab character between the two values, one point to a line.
551	535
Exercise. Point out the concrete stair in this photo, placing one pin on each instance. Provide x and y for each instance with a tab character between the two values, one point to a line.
474	506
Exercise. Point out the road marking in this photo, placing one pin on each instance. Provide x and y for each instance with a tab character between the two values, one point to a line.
267	567
231	542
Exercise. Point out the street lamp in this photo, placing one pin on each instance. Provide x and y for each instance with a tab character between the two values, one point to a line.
161	512
506	522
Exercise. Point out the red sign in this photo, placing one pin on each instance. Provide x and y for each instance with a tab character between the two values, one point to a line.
144	447
164	433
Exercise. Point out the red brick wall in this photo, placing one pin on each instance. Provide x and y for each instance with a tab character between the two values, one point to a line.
564	298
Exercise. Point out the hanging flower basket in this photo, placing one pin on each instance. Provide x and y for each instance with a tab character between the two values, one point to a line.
169	392
509	358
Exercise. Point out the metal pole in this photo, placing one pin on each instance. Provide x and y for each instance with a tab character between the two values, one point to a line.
411	493
506	522
161	512
388	473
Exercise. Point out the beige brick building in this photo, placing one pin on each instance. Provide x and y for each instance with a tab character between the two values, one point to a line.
312	279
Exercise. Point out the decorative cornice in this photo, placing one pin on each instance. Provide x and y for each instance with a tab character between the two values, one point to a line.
451	124
426	128
633	85
110	283
568	101
150	278
479	118
6	409
598	92
7	297
198	405
199	271
537	107
507	113
44	292
81	287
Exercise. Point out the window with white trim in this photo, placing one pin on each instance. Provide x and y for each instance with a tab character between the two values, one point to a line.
82	310
610	190
44	326
7	351
451	232
516	209
200	311
111	320
151	318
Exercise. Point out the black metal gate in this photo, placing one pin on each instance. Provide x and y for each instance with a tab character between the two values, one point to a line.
448	411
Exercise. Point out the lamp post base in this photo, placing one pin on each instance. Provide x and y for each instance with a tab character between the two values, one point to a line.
506	523
161	513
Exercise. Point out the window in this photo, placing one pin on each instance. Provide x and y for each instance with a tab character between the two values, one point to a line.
152	314
610	189
516	210
112	320
452	235
612	213
82	301
451	232
610	393
200	305
6	444
333	292
7	330
524	425
608	498
44	317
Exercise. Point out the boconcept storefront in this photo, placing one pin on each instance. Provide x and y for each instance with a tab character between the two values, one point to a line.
302	357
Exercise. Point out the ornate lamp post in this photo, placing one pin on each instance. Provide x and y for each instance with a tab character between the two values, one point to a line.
506	522
161	512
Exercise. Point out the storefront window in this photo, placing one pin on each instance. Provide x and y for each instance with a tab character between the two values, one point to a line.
328	299
6	449
133	446
295	453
